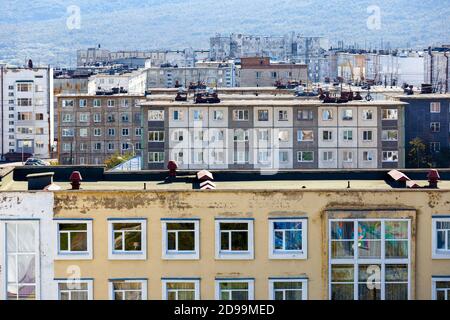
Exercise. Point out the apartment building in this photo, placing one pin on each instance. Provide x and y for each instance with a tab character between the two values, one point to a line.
218	75
94	127
427	116
437	68
273	134
260	72
26	97
267	239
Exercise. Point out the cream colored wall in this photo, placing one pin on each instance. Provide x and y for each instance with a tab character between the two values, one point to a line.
259	205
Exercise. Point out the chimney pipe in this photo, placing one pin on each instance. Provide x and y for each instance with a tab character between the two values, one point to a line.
75	179
433	178
446	73
430	53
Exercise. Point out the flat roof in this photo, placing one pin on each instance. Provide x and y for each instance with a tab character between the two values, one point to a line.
424	96
273	102
274	185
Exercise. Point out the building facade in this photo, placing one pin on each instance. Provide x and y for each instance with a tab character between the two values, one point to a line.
270	134
260	72
26	110
94	127
427	117
258	240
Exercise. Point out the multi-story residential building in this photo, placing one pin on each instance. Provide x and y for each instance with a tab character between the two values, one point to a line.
217	75
260	72
94	127
276	238
427	116
26	97
273	134
292	47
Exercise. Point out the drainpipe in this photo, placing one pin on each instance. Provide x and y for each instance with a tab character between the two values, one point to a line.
2	102
446	73
431	66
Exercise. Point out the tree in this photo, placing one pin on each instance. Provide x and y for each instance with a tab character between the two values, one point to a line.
117	159
417	156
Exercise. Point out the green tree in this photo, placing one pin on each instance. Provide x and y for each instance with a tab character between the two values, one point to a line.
417	156
117	159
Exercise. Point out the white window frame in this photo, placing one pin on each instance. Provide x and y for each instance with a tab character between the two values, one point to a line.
250	282
195	281
235	255
288	254
387	151
241	115
304	282
160	159
142	281
435	279
435	107
300	158
180	255
123	255
356	261
73	255
89	282
435	253
156	115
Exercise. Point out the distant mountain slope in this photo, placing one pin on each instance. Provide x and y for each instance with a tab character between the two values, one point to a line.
37	29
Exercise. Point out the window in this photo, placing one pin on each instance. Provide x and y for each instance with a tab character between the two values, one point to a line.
67	103
97	132
125	118
287	238
138	132
367	115
111	146
327	115
234	239
435	107
347	114
83	132
97	103
97	146
389	135
125	132
367	155
128	289
288	289
84	117
274	74
435	126
181	289
328	156
111	118
178	135
156	115
348	135
97	117
263	115
305	156
305	115
39	116
327	135
199	135
156	136
263	134
197	115
283	156
389	114
282	115
156	157
177	115
241	157
83	103
348	156
369	259
283	136
390	156
180	239
264	156
75	289
111	103
367	135
74	239
68	132
218	115
24	87
111	132
441	237
441	288
305	135
241	135
235	289
240	115
125	103
127	239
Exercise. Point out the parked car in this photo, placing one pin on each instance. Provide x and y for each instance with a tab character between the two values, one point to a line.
35	162
17	156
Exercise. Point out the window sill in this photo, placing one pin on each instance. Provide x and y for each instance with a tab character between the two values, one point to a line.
299	255
127	256
74	256
245	255
181	256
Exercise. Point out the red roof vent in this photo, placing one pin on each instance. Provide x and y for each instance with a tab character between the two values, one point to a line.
433	178
172	166
75	179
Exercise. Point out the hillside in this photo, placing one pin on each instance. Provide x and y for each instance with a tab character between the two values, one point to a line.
37	29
